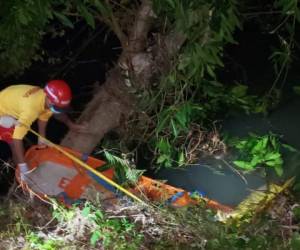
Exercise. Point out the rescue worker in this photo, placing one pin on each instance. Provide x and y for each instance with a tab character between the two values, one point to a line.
21	105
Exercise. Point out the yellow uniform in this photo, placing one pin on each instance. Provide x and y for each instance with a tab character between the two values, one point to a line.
26	103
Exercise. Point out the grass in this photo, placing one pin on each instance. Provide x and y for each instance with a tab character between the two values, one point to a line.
30	224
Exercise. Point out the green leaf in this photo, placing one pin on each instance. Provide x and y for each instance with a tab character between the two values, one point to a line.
296	212
22	17
86	211
163	118
244	165
87	15
260	145
272	159
210	71
274	141
239	90
64	19
162	158
172	3
165	160
114	160
95	237
103	167
278	170
240	144
99	214
272	156
256	160
102	8
133	174
181	159
175	131
164	146
183	113
168	163
181	118
274	163
295	241
289	147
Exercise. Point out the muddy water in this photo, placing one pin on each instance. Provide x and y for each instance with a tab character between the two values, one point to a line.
216	177
216	180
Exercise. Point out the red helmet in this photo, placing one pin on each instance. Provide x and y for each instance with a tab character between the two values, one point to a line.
59	93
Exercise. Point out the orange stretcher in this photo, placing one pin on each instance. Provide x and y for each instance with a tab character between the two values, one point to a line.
53	174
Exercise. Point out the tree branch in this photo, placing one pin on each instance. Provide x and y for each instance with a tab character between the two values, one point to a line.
138	35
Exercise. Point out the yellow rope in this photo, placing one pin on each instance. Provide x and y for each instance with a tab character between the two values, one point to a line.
86	166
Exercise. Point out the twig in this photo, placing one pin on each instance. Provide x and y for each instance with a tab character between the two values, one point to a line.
235	171
117	216
290	227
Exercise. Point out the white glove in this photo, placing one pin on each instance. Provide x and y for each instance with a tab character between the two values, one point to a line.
43	142
23	167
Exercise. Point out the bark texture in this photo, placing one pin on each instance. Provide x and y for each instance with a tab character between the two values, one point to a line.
115	100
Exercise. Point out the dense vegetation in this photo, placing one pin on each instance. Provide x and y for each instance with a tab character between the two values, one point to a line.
175	106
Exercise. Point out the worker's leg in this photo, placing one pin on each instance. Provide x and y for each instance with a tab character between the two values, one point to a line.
7	126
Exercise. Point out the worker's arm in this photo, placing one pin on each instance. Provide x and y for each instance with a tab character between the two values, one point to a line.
25	119
18	151
18	157
24	122
42	125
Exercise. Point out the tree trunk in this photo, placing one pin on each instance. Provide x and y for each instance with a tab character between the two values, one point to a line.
102	114
114	101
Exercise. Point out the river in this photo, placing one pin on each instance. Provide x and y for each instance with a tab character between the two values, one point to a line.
217	180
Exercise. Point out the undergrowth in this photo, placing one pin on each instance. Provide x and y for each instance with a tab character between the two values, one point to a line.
34	225
255	151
